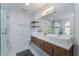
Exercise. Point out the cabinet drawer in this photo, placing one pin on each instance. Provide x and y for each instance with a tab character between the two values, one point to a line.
47	48
58	51
34	40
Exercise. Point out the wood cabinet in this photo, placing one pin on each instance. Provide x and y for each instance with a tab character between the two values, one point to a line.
47	48
51	49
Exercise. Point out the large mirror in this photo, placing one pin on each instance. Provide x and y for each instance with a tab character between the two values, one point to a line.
57	26
58	22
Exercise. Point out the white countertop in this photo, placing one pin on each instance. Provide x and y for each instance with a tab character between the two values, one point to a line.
66	45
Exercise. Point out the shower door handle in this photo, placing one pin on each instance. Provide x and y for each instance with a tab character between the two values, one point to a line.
4	33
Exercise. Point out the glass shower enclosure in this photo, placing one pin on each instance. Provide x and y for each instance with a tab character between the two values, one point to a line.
3	31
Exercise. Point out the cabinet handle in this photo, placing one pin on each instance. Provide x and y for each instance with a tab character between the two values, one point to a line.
4	32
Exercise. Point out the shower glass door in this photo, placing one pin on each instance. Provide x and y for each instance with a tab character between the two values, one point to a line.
3	31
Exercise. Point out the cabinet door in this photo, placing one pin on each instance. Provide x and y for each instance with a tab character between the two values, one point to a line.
35	41
48	48
59	51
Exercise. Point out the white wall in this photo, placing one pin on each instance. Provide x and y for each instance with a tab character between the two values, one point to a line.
76	29
19	23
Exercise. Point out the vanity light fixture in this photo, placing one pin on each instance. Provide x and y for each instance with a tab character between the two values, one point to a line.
47	11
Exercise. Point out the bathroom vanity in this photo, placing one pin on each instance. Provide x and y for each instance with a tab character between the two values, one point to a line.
52	48
55	33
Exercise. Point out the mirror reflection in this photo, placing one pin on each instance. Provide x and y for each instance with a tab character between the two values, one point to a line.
57	22
57	26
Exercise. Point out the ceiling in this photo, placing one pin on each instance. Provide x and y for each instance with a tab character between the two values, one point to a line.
34	8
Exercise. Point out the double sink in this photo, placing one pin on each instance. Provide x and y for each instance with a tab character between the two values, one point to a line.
63	41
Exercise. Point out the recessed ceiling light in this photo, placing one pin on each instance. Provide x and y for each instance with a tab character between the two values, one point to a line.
27	4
